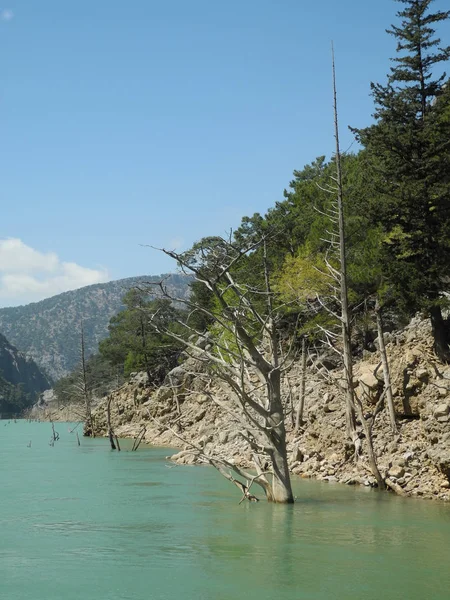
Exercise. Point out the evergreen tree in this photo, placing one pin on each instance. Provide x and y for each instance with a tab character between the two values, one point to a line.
408	154
133	343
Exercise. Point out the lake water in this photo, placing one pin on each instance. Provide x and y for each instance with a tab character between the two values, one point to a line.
85	523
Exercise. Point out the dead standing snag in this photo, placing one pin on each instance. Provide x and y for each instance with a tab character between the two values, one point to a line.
243	353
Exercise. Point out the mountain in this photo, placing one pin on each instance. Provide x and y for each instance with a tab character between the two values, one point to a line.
49	331
20	380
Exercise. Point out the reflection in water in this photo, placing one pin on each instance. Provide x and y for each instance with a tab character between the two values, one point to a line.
349	543
124	526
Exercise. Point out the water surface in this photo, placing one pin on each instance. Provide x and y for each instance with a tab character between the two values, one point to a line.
85	523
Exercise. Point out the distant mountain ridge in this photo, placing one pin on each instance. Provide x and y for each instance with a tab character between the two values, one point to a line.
21	380
49	331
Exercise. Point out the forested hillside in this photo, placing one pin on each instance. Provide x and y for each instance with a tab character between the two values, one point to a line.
359	245
49	331
21	381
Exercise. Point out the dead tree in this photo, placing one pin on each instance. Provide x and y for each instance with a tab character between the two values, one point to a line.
139	438
301	402
113	441
55	435
224	467
242	353
386	370
336	263
343	285
82	387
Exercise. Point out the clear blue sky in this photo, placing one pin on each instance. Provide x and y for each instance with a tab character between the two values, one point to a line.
160	122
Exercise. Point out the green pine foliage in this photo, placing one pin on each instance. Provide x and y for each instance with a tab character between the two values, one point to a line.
408	154
134	345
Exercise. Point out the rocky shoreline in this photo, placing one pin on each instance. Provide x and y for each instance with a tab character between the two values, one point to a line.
49	409
416	459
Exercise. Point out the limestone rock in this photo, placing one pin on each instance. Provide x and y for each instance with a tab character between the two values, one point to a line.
442	410
396	471
368	379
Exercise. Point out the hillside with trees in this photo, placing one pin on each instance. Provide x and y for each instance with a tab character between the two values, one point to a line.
132	345
359	245
49	331
21	380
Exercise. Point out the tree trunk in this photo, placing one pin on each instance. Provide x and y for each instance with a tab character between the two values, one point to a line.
440	334
345	314
89	429
108	420
386	371
301	403
281	491
370	451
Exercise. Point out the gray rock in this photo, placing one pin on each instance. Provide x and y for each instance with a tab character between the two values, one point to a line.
369	380
442	410
331	407
422	373
223	437
199	416
396	471
445	419
297	455
176	376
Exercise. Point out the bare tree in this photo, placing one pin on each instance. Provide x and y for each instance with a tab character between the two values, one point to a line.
386	370
301	402
244	354
82	388
336	263
113	440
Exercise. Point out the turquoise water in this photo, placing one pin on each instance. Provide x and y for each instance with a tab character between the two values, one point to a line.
85	523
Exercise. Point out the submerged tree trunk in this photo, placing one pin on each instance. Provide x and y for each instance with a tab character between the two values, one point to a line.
108	420
248	362
281	489
441	335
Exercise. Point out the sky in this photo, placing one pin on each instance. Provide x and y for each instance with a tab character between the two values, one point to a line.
125	125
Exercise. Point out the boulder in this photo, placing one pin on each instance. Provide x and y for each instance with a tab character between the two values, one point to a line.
396	471
442	410
368	379
297	455
175	377
223	437
422	374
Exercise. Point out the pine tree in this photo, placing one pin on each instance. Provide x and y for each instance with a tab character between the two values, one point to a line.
409	153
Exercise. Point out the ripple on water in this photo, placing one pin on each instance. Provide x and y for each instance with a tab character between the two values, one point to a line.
144	483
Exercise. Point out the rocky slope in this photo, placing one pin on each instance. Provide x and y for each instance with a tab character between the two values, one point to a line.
49	331
48	408
21	381
417	459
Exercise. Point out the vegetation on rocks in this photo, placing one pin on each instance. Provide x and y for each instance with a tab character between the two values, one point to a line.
350	270
416	460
